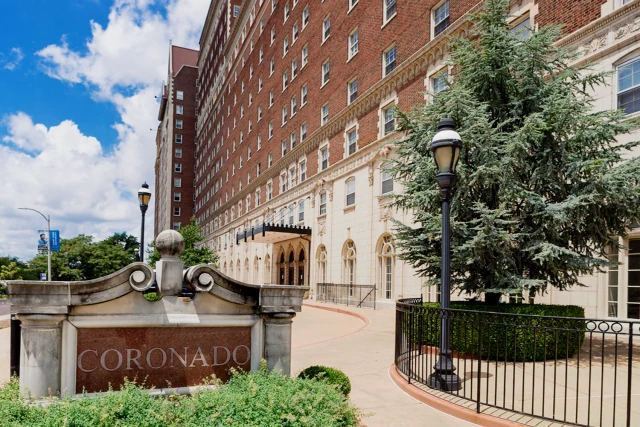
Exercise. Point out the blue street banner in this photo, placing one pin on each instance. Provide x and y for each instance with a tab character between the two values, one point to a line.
43	276
54	238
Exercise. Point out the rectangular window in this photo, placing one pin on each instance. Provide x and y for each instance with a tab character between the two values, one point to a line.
177	167
259	142
285	80
324	114
294	69
273	35
324	158
389	60
352	139
292	178
294	33
177	182
284	115
258	169
177	197
269	191
260	56
353	43
285	46
305	55
178	153
389	120
287	11
179	109
389	9
303	95
294	106
283	183
259	113
441	18
613	298
633	280
178	123
387	181
352	89
522	30
179	95
325	73
303	131
178	138
439	82
326	29
323	203
236	11
629	87
270	130
301	211
176	211
305	17
270	160
352	4
303	171
351	192
272	67
283	147
293	139
176	226
291	214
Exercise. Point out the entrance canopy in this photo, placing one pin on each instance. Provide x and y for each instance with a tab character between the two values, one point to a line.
272	233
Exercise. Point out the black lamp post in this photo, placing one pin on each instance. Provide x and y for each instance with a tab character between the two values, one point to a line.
446	145
144	195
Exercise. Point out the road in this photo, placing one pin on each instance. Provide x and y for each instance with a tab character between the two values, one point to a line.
4	308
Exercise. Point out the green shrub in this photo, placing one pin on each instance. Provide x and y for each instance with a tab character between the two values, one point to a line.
152	296
330	375
558	333
249	399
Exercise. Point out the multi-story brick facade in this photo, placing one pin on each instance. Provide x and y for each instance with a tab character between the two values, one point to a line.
175	142
296	121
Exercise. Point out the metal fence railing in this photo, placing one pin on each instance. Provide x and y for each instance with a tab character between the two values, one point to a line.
566	370
354	295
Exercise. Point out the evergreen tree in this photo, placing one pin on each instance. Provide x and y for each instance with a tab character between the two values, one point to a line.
544	187
191	255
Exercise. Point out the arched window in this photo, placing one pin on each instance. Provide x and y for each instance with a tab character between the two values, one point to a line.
301	260
386	262
230	274
322	264
225	271
267	269
256	270
281	269
291	273
238	271
349	263
246	270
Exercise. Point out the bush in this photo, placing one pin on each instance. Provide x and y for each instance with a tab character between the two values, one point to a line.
559	333
330	375
257	399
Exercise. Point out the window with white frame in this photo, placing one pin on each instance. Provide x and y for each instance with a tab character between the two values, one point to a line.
303	131
294	33
441	18
176	211
302	167
353	43
285	46
294	69
522	30
269	191
350	192
352	90
260	85
305	17
179	109
258	169
352	141
389	60
258	197
179	95
287	11
285	116
326	28
283	147
260	56
322	205
624	281
177	197
178	123
271	98
178	138
352	4
293	140
176	226
324	158
177	167
439	82
248	153
292	177
236	11
285	80
273	5
324	114
269	160
629	86
349	264
177	182
178	153
294	106
283	182
386	257
388	119
325	72
301	211
273	35
259	112
259	142
389	9
305	55
270	129
292	208
322	264
304	91
386	178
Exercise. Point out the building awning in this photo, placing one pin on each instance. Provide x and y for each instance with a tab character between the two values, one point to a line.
272	233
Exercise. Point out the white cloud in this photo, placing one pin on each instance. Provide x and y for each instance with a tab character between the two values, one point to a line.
63	172
14	58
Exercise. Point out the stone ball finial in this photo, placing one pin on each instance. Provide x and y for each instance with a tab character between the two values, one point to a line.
169	243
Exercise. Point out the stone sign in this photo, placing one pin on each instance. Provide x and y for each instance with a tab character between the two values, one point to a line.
159	357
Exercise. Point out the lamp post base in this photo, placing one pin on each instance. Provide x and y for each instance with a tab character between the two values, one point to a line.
444	381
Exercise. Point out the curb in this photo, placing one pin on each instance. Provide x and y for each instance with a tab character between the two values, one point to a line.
448	407
359	316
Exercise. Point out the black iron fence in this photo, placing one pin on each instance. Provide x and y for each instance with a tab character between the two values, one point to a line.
355	295
566	370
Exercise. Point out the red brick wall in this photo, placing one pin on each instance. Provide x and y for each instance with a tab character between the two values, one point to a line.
573	13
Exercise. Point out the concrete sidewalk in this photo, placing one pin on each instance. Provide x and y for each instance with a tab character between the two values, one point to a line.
365	356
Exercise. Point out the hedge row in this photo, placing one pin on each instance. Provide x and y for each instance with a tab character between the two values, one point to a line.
505	337
248	399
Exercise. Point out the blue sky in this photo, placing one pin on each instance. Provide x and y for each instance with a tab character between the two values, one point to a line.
78	80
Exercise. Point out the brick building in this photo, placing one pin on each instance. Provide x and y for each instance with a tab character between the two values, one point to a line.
175	141
295	122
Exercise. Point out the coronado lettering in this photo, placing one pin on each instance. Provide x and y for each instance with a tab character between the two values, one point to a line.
156	358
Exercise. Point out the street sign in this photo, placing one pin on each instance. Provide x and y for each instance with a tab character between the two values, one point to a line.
43	277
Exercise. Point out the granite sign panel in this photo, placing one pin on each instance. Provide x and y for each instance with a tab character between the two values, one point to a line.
161	357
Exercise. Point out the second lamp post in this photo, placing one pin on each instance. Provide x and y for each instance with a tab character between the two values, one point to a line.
446	145
144	195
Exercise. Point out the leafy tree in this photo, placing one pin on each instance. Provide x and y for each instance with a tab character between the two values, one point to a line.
543	185
80	258
191	255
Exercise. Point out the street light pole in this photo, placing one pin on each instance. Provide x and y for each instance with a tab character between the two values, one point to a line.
144	195
446	147
48	218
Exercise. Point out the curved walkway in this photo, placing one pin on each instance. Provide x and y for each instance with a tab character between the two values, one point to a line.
364	353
